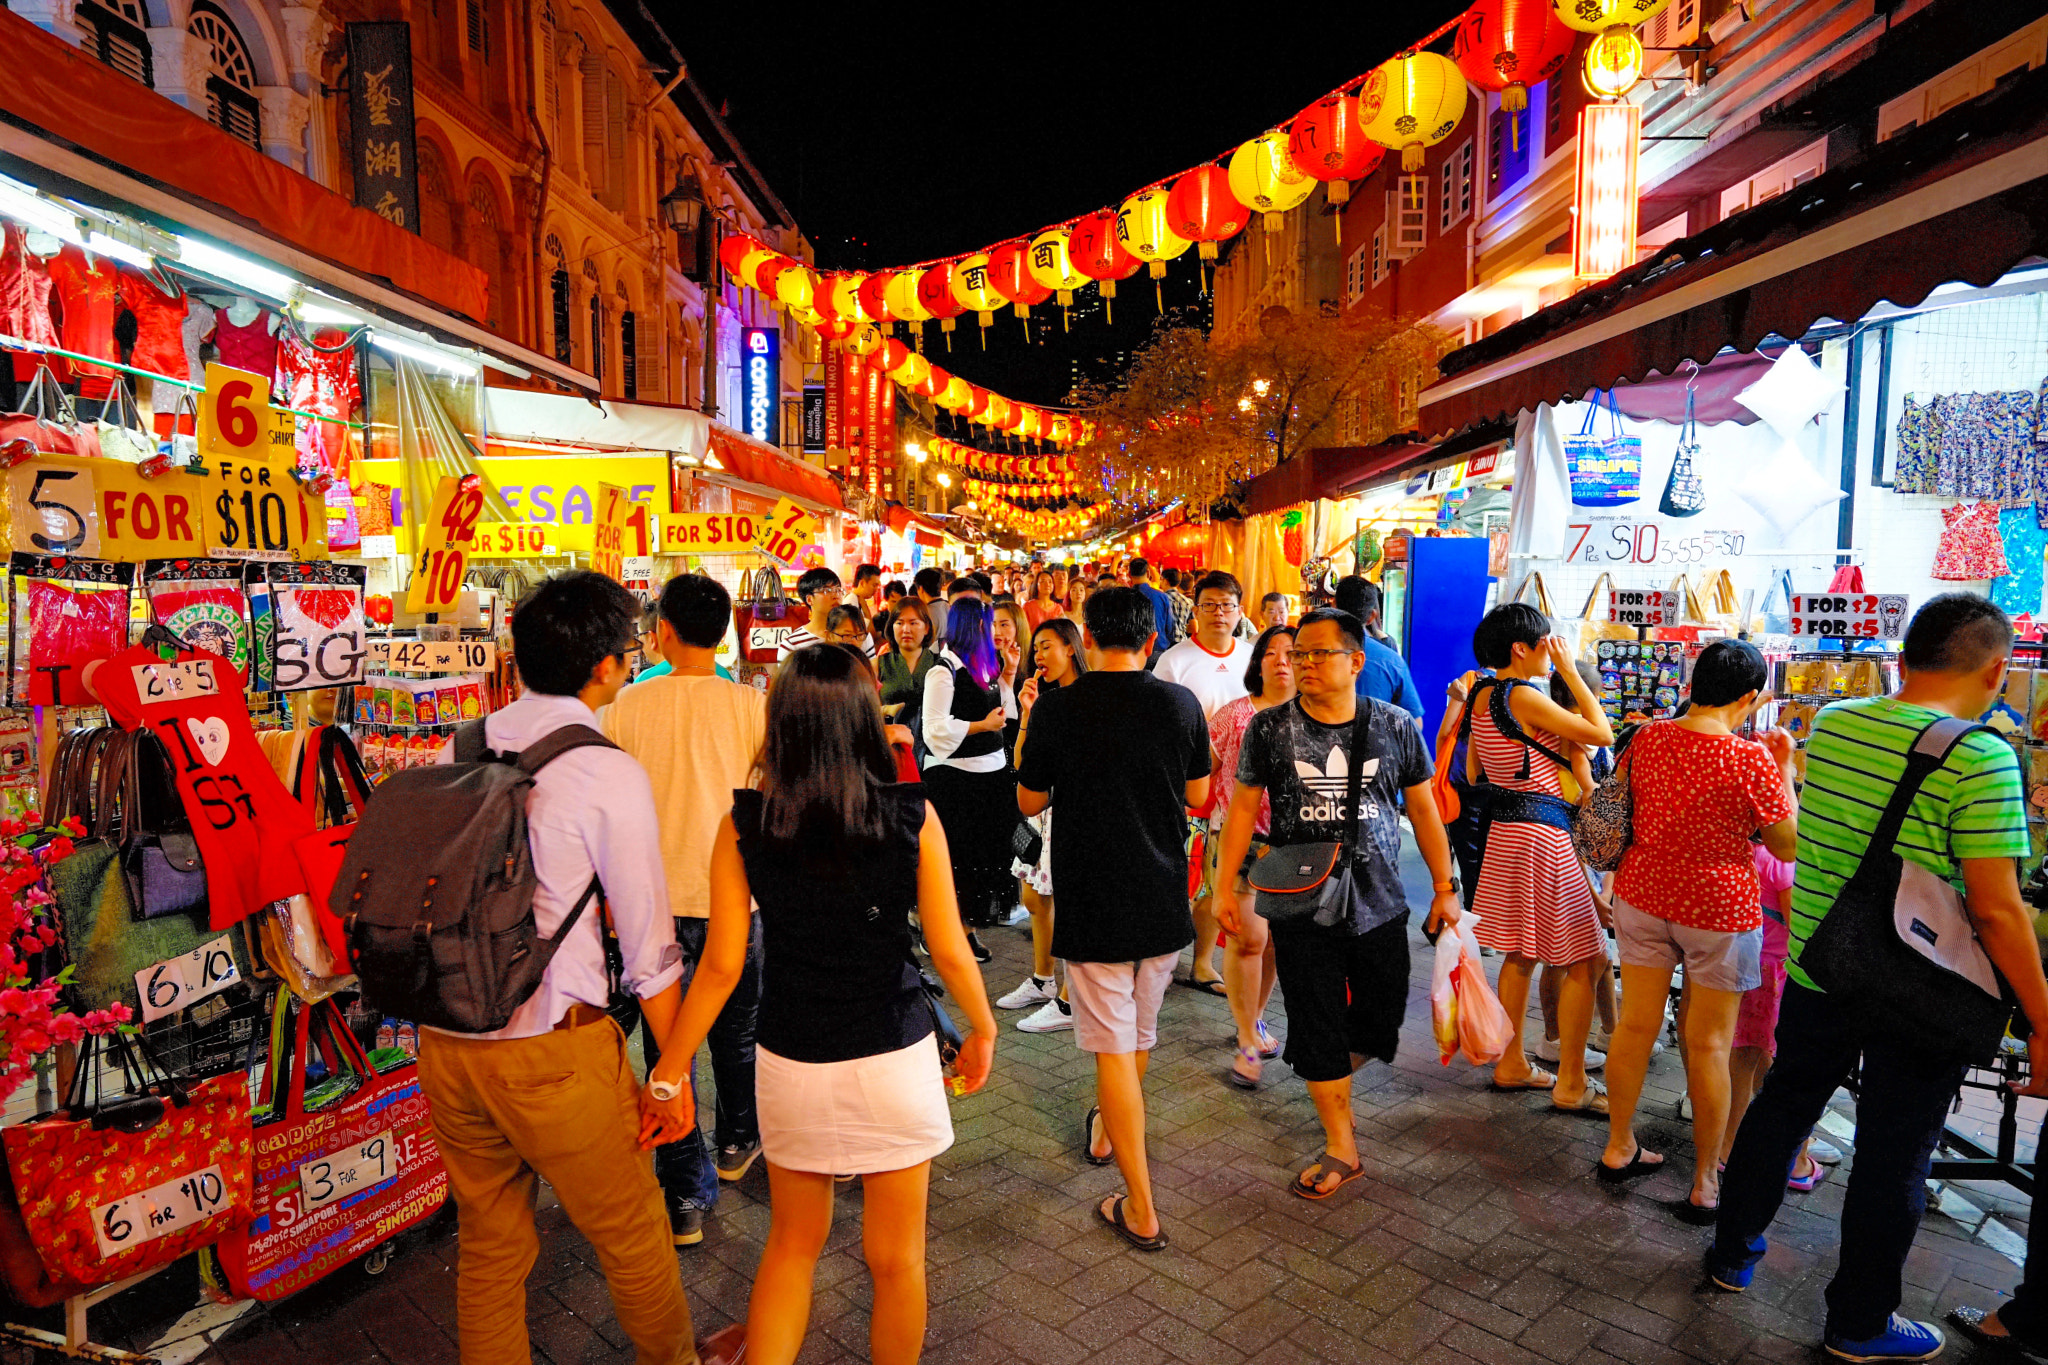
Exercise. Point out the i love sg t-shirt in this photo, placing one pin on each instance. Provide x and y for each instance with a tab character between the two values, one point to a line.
242	816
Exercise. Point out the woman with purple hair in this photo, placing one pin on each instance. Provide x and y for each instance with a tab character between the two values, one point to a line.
967	771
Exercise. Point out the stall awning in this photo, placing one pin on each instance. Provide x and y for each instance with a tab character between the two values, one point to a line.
563	419
756	462
65	95
1410	458
1961	198
1321	472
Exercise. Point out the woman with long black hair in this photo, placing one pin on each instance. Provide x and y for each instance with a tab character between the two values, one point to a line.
967	772
848	1078
1057	660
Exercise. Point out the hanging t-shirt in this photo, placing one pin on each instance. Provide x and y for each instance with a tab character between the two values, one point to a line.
70	625
159	326
244	819
249	346
86	292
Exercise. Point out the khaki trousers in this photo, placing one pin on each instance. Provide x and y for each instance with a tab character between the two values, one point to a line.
562	1107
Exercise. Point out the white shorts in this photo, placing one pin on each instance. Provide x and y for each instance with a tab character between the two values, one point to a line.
882	1113
1116	1004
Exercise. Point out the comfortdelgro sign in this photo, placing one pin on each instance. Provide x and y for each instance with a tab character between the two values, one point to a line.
761	383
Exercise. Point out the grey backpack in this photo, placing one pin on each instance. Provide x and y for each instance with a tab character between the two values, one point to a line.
436	891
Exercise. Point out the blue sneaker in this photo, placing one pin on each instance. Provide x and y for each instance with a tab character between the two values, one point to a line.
1901	1339
1734	1277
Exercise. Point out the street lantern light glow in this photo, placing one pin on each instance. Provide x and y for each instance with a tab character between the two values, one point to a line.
945	479
915	451
1604	214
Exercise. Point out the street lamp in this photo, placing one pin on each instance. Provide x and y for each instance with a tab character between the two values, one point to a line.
683	210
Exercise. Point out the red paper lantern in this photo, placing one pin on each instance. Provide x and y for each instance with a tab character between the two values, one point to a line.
935	292
765	274
836	329
1201	208
1009	274
1096	251
894	353
977	401
734	249
1327	141
871	299
1510	45
935	383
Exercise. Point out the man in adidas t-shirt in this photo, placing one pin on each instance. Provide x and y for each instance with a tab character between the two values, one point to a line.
1210	663
819	590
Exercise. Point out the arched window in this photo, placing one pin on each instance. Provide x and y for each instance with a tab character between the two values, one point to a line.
116	32
558	298
231	82
597	336
437	216
487	249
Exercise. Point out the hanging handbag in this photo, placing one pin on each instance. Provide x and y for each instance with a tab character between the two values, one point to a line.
333	787
1312	883
1769	622
160	856
47	421
113	1185
1606	471
1897	950
125	437
757	614
348	1160
1606	823
1684	495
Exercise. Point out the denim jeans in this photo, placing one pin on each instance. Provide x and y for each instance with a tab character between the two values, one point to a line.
1904	1099
685	1167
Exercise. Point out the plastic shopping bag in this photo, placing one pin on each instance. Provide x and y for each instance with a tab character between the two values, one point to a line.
1443	994
1484	1028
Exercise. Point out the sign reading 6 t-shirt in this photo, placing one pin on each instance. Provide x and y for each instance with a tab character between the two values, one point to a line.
254	509
235	417
244	819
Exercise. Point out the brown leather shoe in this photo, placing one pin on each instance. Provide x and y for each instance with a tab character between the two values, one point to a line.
726	1346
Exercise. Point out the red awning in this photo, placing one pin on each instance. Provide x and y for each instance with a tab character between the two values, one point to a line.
1322	473
1961	198
899	517
743	457
73	99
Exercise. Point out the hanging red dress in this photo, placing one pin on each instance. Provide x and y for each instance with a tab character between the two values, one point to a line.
86	292
319	377
159	325
1970	548
25	300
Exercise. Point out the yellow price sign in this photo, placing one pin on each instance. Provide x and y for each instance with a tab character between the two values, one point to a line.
235	416
513	539
608	532
442	560
708	533
253	508
785	533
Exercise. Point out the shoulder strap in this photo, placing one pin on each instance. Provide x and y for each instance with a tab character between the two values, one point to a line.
538	755
1354	779
1471	705
1929	752
1504	717
590	892
469	742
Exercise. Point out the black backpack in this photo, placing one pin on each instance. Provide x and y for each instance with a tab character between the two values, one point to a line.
436	891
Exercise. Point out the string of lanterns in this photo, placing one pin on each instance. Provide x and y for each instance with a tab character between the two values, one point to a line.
1040	525
1406	104
1017	467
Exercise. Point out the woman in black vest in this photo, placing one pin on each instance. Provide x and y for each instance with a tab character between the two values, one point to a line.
967	771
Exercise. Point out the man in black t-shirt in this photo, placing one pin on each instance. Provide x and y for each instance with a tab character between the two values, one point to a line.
1346	984
1122	755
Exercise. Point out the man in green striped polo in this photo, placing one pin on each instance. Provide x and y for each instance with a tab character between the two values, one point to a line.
1967	824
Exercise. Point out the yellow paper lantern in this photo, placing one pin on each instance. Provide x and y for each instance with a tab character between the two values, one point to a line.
914	370
1141	226
1265	179
1597	16
997	412
901	295
1051	266
958	394
1614	64
973	290
845	298
866	339
1411	103
796	287
752	262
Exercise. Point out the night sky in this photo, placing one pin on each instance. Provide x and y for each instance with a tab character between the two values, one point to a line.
895	138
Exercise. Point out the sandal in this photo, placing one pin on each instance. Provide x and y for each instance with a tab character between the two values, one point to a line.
1637	1166
1088	1140
1699	1215
1592	1104
1324	1165
1215	988
1537	1079
1115	1218
1235	1073
1803	1184
1269	1046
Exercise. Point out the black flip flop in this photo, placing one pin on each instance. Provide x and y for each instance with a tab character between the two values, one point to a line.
1215	988
1325	1164
1699	1215
1115	1219
1088	1140
1619	1175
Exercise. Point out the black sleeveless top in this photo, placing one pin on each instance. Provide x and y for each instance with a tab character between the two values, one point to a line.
836	978
971	702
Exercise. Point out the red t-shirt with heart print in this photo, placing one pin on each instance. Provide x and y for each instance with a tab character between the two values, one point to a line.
243	817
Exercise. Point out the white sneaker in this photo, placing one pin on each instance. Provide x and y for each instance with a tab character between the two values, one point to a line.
1049	1019
1034	991
1547	1050
1018	915
1826	1153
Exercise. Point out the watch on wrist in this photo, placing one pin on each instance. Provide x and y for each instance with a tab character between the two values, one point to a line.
664	1090
1449	884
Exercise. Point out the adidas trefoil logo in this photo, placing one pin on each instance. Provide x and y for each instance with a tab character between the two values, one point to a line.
1325	788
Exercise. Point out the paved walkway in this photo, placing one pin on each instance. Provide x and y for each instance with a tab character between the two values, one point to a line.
1477	1234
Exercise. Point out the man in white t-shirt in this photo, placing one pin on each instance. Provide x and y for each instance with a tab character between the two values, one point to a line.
1210	663
819	590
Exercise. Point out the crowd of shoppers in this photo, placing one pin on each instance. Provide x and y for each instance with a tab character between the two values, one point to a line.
1074	739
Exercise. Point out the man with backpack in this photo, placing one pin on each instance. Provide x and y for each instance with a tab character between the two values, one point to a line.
1965	825
546	1092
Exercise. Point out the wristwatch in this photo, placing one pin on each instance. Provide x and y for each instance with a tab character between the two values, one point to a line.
664	1090
1451	885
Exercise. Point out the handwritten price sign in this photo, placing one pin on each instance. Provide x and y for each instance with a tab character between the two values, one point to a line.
235	416
1641	607
608	533
1848	616
450	525
170	986
434	656
717	533
159	1211
786	532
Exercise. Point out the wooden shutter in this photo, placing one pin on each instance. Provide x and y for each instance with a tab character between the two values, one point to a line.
629	355
614	143
593	122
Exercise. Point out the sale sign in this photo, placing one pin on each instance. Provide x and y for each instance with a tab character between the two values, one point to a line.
714	533
1848	616
451	522
608	535
235	416
1643	607
513	540
103	509
254	509
786	533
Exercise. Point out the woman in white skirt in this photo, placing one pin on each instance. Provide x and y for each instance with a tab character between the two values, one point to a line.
847	1075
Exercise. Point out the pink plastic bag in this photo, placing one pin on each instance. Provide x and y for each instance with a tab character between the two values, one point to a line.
1443	995
1484	1028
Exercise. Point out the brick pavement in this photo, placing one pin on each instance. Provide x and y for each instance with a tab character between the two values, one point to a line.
1478	1233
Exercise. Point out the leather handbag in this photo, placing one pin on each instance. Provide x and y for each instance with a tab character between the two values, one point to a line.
47	421
757	614
118	1183
1027	844
1605	826
160	857
1311	883
1898	950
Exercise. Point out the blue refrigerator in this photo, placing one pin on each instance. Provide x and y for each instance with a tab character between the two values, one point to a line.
1446	584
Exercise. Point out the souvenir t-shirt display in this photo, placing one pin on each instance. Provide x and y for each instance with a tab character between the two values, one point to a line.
202	603
245	820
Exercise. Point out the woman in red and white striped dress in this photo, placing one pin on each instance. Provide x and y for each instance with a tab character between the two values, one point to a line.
1533	901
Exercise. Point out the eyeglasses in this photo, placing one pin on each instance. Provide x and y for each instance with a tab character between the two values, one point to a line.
1313	657
1223	608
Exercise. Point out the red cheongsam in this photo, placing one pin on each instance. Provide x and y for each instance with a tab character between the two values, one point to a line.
85	288
159	326
245	820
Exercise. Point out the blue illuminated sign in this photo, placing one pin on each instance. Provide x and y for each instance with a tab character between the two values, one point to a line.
761	384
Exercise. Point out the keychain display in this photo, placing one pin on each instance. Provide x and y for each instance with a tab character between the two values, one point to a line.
1640	677
202	602
63	614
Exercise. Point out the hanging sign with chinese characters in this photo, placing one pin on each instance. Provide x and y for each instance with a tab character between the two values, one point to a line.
380	121
1848	616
